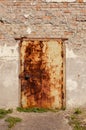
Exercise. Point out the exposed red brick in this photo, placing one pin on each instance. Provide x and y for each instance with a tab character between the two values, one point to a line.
80	1
67	11
65	4
83	11
46	17
68	33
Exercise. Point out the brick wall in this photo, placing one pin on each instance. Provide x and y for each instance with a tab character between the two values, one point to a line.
42	19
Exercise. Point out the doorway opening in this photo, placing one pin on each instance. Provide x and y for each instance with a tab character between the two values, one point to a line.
42	73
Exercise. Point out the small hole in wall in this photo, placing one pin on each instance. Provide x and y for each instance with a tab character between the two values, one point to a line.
78	75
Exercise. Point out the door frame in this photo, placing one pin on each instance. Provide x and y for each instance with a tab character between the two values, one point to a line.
64	64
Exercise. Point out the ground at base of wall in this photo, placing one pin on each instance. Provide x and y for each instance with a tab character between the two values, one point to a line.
77	119
62	120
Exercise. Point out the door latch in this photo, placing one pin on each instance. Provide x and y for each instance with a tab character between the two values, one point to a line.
27	77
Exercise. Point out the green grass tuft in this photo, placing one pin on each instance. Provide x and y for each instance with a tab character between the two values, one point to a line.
12	121
4	112
72	117
63	108
77	111
75	121
35	109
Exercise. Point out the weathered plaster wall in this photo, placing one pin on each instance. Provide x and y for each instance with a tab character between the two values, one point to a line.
40	20
76	75
9	82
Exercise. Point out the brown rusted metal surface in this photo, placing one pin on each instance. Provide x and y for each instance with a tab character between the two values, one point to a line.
42	39
41	73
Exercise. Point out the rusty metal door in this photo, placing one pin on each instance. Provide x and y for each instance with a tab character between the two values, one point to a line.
41	73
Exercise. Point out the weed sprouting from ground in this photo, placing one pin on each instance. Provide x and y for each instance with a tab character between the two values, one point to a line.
36	110
4	112
12	121
76	123
77	111
75	120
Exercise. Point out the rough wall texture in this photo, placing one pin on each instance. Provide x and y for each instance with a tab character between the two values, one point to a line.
40	20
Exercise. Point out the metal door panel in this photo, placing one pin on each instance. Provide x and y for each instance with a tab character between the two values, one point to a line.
41	73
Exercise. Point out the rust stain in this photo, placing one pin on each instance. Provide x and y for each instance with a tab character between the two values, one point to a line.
41	73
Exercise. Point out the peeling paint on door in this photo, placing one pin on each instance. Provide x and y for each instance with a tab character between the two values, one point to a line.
41	73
